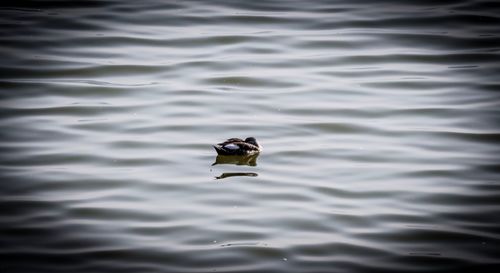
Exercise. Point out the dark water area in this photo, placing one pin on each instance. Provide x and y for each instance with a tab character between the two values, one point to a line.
380	123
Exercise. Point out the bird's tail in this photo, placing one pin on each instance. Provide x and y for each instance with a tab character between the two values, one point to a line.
218	149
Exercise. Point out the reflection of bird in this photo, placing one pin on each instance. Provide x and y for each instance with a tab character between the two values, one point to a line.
226	175
250	160
236	146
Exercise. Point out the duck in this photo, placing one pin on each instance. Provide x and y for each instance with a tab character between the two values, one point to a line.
237	146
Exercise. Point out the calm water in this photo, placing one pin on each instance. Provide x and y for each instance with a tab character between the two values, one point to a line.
380	124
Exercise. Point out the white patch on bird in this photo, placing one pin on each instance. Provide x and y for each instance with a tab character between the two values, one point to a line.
231	146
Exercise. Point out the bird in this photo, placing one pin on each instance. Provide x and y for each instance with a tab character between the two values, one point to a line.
237	146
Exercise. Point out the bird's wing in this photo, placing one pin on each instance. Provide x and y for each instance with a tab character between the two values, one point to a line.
231	140
247	146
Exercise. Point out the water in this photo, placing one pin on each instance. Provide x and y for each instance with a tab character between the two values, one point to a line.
379	121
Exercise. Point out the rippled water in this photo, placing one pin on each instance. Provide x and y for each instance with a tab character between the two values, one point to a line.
379	121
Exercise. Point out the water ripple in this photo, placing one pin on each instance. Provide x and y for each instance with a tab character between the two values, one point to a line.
379	124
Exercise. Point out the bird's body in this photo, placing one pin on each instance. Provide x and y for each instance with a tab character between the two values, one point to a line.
237	146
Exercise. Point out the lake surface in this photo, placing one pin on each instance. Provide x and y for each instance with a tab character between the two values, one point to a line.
380	124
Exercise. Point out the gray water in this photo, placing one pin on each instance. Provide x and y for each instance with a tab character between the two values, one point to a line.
379	122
